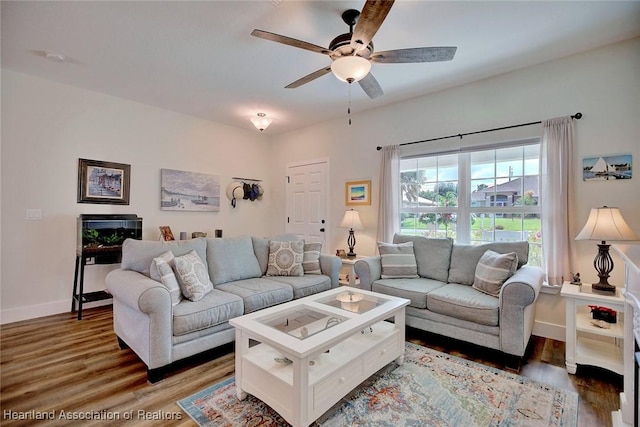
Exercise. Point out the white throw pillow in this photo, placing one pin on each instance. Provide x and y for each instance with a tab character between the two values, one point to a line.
311	258
493	270
162	272
193	276
398	260
285	258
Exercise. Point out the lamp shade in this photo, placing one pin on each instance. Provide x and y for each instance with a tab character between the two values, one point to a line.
351	220
350	68
261	121
606	224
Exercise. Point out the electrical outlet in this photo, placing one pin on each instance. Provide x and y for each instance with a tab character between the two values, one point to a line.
34	214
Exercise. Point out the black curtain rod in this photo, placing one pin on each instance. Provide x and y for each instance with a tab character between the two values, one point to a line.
576	116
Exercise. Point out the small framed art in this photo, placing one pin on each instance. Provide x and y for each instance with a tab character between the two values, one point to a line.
607	168
358	193
103	182
166	234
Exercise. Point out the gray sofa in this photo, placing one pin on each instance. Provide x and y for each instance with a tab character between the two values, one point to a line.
161	329
444	302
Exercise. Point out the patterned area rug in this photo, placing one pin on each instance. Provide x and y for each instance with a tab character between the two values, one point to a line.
429	389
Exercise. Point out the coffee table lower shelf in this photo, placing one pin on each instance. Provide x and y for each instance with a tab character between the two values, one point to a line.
331	375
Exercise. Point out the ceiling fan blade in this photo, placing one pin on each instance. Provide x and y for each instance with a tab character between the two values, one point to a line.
413	55
309	77
371	86
290	41
373	14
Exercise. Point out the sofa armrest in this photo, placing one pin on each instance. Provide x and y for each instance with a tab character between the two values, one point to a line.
138	291
368	270
517	308
142	315
330	266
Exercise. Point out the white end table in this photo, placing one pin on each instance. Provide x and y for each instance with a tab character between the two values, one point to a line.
587	344
349	264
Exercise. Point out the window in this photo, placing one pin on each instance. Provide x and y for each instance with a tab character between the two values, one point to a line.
475	197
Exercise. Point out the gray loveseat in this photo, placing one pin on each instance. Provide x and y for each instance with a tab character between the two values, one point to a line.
444	302
161	328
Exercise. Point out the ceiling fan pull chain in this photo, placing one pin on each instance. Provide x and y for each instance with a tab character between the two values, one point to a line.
349	107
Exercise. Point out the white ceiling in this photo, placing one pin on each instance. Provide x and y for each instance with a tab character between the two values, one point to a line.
199	58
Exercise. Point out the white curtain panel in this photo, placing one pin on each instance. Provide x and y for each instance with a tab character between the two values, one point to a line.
557	198
389	207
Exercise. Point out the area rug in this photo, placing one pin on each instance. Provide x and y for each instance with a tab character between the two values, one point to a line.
429	389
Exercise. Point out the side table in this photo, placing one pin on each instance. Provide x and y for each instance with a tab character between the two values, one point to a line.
79	295
349	264
587	344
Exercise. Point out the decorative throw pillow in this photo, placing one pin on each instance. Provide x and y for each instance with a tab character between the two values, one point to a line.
311	258
285	258
193	276
398	260
161	271
493	270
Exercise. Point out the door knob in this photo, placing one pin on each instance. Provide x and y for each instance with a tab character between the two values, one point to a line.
322	229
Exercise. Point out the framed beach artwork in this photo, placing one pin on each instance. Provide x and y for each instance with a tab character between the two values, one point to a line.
189	191
607	168
358	193
103	182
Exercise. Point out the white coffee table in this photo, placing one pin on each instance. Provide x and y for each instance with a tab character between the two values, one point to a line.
315	350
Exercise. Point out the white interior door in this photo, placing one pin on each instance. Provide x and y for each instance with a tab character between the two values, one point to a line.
307	201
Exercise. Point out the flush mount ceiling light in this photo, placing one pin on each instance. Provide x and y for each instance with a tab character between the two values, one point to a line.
350	68
261	122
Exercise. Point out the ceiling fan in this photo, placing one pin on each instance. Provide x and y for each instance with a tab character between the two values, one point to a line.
352	53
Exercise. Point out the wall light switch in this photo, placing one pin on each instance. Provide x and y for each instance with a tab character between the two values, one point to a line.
34	214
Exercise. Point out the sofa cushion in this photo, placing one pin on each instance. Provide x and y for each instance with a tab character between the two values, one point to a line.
464	258
192	275
493	270
161	271
285	258
258	293
232	258
398	260
433	256
464	302
311	258
306	285
261	250
415	290
137	255
214	308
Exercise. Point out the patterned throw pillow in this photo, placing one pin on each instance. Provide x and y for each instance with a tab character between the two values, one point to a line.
398	260
493	270
161	271
285	258
193	276
311	259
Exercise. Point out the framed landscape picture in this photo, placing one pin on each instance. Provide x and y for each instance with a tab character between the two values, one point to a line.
607	168
189	191
358	193
103	182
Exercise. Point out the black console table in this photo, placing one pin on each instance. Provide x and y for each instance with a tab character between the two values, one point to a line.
112	254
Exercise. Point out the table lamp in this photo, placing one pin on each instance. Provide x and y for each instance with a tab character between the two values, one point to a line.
604	224
351	220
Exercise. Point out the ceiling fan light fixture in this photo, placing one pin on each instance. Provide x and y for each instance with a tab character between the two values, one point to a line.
261	121
350	69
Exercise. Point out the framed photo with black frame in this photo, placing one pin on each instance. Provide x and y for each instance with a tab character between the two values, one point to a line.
103	182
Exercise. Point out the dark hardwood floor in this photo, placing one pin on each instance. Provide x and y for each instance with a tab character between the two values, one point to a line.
58	363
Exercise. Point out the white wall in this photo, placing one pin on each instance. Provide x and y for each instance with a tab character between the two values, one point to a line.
47	126
603	84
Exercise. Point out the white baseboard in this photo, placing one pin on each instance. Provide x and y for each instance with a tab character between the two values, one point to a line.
40	310
549	330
